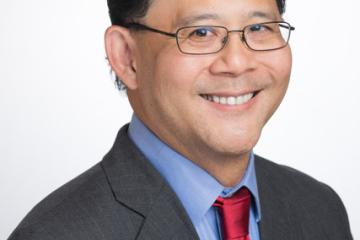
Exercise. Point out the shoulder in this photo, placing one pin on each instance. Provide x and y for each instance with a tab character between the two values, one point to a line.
60	204
80	209
290	181
286	176
308	202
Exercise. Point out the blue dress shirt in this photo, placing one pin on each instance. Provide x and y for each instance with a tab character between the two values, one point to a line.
196	189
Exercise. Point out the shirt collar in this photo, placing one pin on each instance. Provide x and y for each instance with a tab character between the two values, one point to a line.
196	189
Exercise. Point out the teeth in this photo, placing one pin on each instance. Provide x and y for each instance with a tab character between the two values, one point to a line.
223	100
231	100
240	99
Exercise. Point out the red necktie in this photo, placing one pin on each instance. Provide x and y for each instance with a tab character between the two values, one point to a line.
234	212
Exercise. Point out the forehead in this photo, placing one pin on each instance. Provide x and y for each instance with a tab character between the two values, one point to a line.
179	13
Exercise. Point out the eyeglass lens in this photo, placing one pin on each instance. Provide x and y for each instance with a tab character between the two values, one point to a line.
211	39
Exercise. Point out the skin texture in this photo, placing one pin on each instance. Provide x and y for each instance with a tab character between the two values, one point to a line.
164	85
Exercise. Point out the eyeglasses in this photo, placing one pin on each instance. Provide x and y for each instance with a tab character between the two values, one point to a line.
206	39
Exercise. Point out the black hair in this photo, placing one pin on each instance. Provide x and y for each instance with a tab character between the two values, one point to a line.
123	12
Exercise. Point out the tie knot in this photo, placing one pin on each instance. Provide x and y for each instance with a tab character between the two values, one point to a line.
234	212
242	195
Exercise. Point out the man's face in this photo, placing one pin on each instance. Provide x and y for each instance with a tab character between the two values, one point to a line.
171	91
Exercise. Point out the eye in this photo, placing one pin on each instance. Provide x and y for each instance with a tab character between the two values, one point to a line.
259	28
201	32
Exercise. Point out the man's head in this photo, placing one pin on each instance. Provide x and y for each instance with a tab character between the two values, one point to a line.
199	104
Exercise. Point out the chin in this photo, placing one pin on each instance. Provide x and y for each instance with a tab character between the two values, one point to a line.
237	145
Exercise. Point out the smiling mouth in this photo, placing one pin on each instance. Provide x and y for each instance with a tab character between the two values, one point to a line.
229	100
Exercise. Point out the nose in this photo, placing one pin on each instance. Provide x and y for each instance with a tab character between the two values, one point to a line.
235	58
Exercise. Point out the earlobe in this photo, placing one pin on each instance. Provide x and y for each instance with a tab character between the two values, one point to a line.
119	50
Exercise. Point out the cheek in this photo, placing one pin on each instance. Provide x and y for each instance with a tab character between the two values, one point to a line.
180	72
278	65
277	68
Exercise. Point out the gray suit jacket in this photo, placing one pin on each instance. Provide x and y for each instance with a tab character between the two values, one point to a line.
124	197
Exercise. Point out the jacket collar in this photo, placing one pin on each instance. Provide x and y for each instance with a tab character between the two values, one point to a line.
278	219
129	174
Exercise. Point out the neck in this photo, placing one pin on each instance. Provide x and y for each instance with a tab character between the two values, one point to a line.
226	170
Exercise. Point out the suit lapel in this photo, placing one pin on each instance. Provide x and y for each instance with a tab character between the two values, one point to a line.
167	220
277	221
139	187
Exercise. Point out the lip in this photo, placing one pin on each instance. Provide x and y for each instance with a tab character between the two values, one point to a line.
231	93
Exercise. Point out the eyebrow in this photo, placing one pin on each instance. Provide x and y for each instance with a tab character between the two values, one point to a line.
186	21
261	14
189	20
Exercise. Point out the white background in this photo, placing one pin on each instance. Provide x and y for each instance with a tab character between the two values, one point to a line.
60	112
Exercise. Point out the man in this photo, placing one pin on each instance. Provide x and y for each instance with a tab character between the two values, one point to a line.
203	78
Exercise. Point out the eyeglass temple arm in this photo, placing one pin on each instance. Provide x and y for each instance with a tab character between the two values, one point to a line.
139	26
291	28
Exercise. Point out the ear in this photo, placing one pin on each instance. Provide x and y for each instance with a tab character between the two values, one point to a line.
119	46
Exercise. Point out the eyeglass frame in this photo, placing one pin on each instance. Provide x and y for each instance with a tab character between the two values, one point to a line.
139	26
